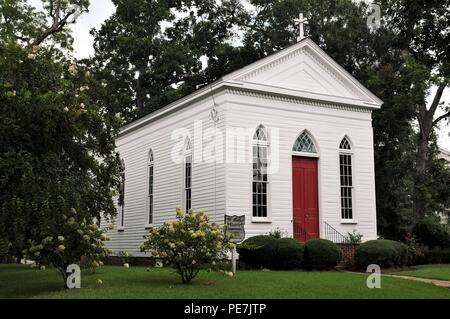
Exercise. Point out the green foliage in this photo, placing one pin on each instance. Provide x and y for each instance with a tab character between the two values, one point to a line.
433	256
277	233
147	66
355	237
189	243
270	252
385	253
288	254
57	147
257	251
415	249
321	254
431	233
65	241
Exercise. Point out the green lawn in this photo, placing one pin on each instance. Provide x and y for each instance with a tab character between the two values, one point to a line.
136	282
441	272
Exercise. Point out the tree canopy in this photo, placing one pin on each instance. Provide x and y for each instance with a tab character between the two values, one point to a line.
57	147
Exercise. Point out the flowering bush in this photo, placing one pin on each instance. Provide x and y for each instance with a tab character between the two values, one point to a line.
66	243
188	244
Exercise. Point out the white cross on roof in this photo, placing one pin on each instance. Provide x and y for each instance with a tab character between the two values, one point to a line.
301	21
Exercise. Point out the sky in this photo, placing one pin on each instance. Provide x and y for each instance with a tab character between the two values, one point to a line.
100	10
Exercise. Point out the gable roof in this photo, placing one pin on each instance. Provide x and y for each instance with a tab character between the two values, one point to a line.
302	70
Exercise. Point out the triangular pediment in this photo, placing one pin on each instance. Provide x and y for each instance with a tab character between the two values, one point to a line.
305	70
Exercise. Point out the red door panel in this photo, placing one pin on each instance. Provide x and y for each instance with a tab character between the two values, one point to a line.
305	198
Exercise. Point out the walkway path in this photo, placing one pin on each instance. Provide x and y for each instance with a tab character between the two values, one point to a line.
440	283
436	282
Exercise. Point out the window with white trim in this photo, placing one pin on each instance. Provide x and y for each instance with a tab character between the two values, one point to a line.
346	179
304	144
188	175
260	178
150	174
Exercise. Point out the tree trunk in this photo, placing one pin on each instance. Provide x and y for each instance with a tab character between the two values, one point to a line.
140	104
421	172
426	124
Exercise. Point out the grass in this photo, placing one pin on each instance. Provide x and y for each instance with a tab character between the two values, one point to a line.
439	271
136	282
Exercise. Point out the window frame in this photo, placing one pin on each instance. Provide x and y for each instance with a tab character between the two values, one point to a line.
187	182
260	144
150	198
121	204
350	154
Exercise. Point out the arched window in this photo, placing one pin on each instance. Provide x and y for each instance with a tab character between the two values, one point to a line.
187	192
346	178
150	176
345	144
260	180
304	144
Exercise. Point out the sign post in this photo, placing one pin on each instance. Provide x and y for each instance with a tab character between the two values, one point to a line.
235	227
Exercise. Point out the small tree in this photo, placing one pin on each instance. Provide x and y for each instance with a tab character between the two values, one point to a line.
66	243
188	243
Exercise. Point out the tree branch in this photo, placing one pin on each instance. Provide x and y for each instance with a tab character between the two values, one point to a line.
21	38
57	26
440	118
437	97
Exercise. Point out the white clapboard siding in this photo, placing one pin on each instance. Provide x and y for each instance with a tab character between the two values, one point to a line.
327	125
298	88
207	195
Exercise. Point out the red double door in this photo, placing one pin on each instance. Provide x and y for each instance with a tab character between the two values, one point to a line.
305	198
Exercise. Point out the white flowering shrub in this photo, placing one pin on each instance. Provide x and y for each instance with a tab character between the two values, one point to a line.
66	243
188	243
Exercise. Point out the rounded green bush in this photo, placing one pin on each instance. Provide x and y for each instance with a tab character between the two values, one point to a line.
321	254
269	252
257	251
288	254
385	253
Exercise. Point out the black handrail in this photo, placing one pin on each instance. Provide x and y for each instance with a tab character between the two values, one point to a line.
300	233
336	237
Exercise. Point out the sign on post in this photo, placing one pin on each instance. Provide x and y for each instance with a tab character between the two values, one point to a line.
235	227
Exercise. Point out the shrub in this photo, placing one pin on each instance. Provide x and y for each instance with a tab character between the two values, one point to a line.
269	252
189	243
67	243
257	251
385	253
415	249
278	233
355	237
321	254
433	256
431	233
288	254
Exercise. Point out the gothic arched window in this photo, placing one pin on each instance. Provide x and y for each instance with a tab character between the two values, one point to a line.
304	144
150	177
187	175
260	179
346	178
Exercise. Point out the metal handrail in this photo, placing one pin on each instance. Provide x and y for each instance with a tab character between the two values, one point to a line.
300	233
336	237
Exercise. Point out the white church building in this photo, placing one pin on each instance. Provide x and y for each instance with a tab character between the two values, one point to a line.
286	141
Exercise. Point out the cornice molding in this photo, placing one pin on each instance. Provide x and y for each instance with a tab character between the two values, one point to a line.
295	100
270	65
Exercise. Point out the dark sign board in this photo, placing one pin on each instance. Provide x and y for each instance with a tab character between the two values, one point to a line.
235	227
